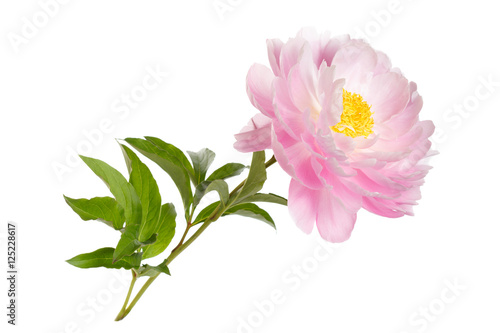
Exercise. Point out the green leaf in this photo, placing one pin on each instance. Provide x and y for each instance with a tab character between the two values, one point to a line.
169	160
129	242
206	212
201	162
122	190
256	176
226	171
207	186
104	209
173	151
165	230
148	270
265	197
104	258
148	191
253	211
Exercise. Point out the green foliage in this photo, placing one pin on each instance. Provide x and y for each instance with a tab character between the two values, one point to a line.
206	212
129	242
201	162
165	231
227	171
207	186
104	258
122	190
148	270
253	211
148	191
170	159
265	197
147	226
104	209
256	176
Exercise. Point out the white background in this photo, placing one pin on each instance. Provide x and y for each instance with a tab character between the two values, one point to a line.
66	78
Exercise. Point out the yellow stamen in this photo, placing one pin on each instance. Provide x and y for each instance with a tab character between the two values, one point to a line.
356	119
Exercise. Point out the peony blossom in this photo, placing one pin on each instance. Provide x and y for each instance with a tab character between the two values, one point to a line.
344	124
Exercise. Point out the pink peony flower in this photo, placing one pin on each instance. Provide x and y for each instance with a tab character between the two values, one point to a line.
344	124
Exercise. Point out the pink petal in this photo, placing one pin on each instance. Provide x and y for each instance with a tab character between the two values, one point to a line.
323	47
363	143
286	112
344	142
290	54
354	62
273	51
302	81
376	183
386	156
295	157
302	162
331	105
302	205
260	89
377	206
402	143
405	120
383	63
332	46
388	95
279	150
350	199
420	149
327	146
334	221
315	42
255	136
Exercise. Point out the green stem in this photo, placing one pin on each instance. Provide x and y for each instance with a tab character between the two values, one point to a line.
138	296
271	161
179	249
123	311
189	225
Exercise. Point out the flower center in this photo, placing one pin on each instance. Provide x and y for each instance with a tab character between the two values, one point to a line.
356	119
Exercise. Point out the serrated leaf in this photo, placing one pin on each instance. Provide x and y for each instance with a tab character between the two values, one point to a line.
104	209
147	190
265	197
206	212
165	231
256	176
129	242
168	160
201	162
148	270
253	211
122	190
207	186
104	258
226	171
